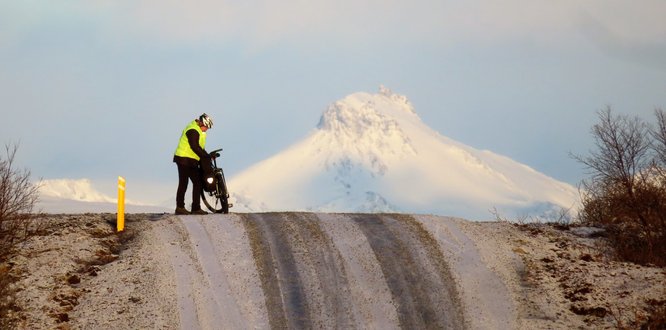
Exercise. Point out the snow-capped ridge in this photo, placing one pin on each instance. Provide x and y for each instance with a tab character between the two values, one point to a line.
74	189
80	196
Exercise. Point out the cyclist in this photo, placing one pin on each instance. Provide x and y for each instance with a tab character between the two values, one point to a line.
191	157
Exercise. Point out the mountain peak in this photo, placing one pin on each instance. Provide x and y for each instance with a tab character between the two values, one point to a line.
360	112
398	99
366	129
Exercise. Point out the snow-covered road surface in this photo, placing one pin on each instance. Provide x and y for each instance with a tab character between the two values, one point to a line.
308	270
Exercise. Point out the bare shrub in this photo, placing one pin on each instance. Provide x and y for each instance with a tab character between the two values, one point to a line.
626	193
17	198
659	135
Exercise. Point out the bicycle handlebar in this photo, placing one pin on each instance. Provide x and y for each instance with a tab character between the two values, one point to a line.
215	153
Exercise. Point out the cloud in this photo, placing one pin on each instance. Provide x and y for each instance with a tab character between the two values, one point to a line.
262	23
641	39
434	21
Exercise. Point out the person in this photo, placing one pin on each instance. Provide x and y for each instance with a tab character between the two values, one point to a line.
189	157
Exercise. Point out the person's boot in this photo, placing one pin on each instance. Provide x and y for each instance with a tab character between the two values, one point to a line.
182	211
199	211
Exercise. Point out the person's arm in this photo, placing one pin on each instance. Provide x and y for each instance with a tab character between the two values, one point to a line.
193	140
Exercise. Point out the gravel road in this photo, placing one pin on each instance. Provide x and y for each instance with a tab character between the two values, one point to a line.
307	270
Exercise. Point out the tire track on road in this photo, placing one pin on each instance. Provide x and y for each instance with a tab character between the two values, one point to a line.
183	271
302	272
225	310
327	288
284	291
484	289
371	301
415	271
233	253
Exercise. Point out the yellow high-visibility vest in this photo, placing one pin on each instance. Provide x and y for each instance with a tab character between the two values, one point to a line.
183	149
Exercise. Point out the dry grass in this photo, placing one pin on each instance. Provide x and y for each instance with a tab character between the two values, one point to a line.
656	320
111	243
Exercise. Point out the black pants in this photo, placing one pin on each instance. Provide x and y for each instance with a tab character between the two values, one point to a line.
185	174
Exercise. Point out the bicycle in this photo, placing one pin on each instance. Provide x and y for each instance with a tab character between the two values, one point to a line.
214	188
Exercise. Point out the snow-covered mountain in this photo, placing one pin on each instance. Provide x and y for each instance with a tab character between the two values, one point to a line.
372	153
80	196
76	189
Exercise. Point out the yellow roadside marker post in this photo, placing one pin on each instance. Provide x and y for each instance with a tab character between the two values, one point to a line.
120	222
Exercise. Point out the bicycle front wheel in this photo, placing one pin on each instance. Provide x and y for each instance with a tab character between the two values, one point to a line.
216	201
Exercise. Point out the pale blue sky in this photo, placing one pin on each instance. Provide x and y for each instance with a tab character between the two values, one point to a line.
98	89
